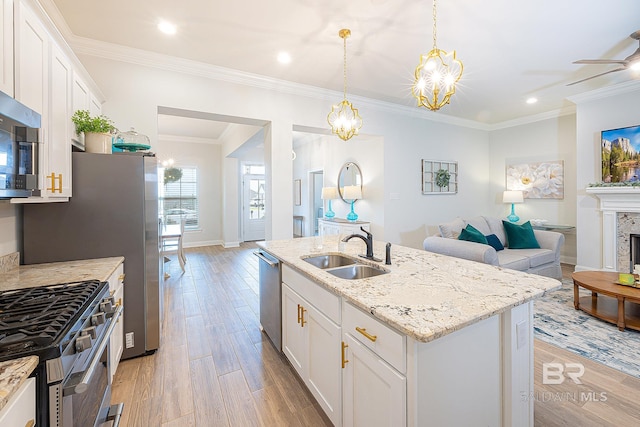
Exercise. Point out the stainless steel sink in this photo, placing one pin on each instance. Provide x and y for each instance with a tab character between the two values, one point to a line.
329	261
358	271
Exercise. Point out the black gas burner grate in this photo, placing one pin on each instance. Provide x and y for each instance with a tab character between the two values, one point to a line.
36	318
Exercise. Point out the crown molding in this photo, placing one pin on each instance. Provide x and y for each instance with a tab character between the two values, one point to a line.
553	114
605	92
85	46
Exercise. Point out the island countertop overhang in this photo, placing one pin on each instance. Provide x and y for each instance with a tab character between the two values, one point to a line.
425	295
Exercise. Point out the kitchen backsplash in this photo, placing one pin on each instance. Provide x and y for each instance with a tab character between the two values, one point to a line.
10	261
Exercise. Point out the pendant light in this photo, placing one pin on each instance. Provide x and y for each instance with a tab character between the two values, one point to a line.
436	75
343	118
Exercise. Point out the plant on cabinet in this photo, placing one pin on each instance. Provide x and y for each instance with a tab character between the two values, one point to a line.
97	131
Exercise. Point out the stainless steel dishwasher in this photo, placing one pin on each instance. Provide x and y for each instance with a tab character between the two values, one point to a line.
270	297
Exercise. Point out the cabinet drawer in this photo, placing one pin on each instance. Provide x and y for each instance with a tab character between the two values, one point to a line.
384	341
322	299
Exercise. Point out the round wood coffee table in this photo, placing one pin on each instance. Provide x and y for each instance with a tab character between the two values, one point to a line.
617	304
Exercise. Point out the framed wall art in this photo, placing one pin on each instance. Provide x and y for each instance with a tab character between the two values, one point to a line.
620	149
537	180
439	177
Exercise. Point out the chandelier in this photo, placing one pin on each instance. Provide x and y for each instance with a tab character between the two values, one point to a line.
436	75
343	118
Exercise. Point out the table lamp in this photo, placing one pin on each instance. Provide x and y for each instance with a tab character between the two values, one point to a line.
512	197
330	193
353	193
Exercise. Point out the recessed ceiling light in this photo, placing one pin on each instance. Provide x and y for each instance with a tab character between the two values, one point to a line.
284	58
635	66
167	27
532	100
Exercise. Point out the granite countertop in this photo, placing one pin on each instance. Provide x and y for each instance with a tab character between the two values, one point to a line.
425	295
31	276
13	374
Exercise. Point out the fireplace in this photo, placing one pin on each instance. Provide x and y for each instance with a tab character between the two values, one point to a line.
620	207
634	250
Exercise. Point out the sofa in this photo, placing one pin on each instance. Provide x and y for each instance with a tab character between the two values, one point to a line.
544	260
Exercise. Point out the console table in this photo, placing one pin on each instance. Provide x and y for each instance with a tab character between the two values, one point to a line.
617	304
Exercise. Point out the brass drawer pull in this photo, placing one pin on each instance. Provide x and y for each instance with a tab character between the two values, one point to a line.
121	278
299	315
302	321
30	423
344	360
364	332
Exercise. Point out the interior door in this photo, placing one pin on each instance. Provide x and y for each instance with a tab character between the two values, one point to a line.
253	207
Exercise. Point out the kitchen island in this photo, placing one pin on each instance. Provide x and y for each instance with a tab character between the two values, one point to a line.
436	339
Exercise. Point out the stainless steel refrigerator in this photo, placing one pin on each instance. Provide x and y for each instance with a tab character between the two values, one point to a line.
113	212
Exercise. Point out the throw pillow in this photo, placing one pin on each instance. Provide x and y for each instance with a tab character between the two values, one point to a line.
495	242
520	236
471	234
451	229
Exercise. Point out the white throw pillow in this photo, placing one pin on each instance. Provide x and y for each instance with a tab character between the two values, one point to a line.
452	229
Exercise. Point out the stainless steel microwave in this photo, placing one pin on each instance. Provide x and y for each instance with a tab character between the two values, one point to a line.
19	139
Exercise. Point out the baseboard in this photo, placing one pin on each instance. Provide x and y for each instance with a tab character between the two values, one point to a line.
231	244
202	243
568	260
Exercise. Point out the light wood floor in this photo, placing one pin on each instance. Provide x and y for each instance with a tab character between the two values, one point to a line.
215	367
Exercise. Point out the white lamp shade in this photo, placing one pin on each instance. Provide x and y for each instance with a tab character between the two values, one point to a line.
352	192
330	193
512	197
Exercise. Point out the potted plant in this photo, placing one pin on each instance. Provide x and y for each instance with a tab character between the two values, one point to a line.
96	130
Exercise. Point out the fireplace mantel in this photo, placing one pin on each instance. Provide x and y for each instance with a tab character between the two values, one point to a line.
614	200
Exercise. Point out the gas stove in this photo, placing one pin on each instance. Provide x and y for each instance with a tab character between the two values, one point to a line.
68	326
37	321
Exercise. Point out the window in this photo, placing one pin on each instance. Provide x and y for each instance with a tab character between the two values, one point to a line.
178	197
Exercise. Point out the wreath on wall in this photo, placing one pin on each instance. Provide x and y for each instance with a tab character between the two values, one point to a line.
442	178
172	175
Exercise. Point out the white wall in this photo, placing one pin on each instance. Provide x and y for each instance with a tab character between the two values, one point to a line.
207	159
595	114
405	216
329	154
546	140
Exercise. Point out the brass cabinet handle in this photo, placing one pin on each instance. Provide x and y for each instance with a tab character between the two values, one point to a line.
302	321
53	179
344	360
121	278
364	332
30	423
299	315
112	292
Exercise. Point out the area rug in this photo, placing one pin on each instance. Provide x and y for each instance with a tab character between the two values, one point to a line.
557	322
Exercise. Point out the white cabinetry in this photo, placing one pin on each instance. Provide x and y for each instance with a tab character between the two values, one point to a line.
58	165
80	99
374	393
6	47
311	339
21	409
116	345
374	384
341	226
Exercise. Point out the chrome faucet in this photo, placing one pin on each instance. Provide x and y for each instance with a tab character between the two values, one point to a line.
367	240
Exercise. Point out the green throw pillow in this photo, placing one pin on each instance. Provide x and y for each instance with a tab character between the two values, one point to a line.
520	236
472	234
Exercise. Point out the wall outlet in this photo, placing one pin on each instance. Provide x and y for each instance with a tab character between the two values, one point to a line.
128	340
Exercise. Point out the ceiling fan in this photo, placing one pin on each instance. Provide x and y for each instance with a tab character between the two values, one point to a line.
630	62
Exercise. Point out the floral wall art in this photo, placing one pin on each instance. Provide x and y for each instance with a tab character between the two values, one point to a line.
541	180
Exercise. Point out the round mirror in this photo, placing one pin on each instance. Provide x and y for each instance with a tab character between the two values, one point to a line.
349	176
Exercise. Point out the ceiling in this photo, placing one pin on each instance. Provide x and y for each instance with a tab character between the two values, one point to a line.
511	50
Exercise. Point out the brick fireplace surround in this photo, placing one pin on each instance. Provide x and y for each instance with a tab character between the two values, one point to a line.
620	207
